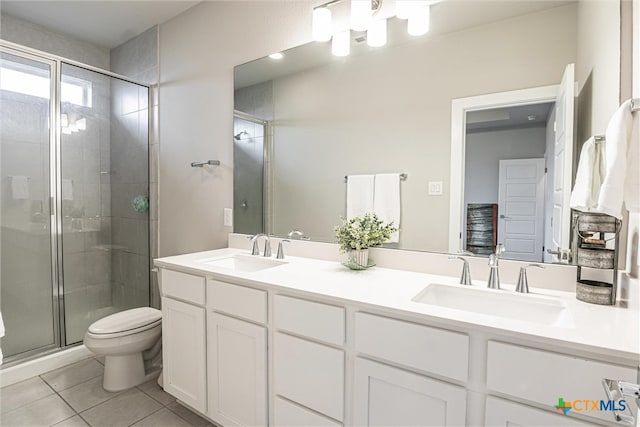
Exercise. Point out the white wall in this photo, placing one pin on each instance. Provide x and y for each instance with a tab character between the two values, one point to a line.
198	50
324	131
34	36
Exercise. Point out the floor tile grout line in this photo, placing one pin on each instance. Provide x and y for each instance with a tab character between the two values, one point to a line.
183	418
146	416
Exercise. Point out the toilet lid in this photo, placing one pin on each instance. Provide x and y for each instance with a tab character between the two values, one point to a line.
136	318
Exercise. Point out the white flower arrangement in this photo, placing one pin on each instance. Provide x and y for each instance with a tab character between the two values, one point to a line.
363	232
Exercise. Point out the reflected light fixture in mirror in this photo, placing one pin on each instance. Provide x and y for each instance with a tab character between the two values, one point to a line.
341	44
377	33
360	14
321	24
277	55
418	22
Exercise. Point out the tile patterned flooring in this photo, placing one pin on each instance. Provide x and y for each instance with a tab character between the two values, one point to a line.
73	396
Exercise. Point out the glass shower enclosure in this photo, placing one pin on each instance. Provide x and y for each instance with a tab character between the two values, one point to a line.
74	199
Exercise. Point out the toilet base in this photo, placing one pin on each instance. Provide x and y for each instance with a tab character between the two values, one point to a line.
126	371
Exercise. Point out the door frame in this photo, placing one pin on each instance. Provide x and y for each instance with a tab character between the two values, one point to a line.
459	109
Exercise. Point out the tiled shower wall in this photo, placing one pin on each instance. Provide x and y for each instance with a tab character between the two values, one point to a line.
138	60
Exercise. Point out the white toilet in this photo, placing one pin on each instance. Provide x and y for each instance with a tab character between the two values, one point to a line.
132	346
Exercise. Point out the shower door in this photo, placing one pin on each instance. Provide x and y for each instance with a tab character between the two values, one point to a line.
27	277
74	212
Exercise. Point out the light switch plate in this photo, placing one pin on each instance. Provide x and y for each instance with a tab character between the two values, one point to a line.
228	217
435	188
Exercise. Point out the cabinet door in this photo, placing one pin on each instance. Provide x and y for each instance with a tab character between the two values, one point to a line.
237	356
385	396
183	352
504	413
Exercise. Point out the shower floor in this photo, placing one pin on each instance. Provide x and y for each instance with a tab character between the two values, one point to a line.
78	323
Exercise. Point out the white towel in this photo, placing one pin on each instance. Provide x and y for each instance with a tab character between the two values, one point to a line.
618	141
20	187
359	195
386	201
584	196
67	189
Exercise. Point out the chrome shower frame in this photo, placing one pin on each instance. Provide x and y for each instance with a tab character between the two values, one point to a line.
55	189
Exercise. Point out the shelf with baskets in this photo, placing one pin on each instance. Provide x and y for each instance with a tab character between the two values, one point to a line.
596	241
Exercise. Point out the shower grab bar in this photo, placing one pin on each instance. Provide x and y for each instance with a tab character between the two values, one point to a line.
208	162
403	177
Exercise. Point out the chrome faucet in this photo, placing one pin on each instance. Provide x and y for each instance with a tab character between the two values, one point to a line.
267	245
465	279
297	235
523	283
494	275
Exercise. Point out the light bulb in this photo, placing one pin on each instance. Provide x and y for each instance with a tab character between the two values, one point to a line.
360	14
321	24
377	33
277	55
418	23
341	44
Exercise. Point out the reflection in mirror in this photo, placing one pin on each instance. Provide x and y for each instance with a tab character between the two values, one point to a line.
389	110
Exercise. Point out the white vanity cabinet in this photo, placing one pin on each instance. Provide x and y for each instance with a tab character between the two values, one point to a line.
183	337
503	413
388	395
236	354
309	362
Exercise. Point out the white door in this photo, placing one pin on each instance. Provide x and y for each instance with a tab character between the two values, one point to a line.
237	362
388	396
563	161
521	209
183	352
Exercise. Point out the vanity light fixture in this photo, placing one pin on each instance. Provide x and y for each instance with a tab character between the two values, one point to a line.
321	24
377	33
404	8
277	55
341	43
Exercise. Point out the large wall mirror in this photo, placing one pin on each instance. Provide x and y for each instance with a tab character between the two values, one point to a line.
477	102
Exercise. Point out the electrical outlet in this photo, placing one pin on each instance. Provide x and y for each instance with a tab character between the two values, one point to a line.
435	188
228	217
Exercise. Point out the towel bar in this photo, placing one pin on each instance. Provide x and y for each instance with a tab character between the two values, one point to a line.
403	176
208	162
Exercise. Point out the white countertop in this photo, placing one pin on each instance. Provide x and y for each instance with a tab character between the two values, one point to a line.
612	332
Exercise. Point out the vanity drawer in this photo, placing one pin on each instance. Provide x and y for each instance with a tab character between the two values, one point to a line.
183	286
309	374
421	347
289	414
311	319
236	300
542	376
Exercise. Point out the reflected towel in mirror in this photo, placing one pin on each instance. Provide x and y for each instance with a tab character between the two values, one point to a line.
586	190
386	200
359	195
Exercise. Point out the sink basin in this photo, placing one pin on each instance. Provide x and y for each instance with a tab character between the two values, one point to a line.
244	263
521	307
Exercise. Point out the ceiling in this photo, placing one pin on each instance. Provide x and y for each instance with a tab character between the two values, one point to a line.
105	23
509	117
447	16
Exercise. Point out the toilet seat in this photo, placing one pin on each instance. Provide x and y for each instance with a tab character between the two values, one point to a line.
127	322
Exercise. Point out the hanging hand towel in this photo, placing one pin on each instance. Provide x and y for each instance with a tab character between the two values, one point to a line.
632	181
386	201
584	196
67	189
359	195
20	187
618	140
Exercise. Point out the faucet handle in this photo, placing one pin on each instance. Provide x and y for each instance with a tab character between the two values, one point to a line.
523	284
465	278
499	249
267	248
280	254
